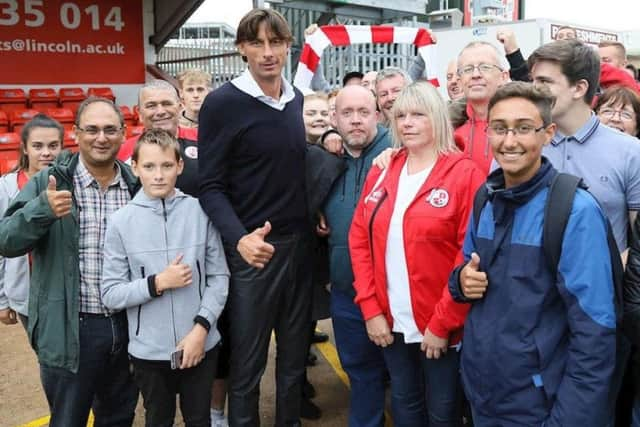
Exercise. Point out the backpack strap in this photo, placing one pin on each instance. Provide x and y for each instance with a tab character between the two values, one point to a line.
556	216
479	200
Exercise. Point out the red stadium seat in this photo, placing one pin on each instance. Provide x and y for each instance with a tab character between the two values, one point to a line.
12	99
9	151
42	99
129	119
4	122
63	115
103	92
19	118
134	131
71	97
69	139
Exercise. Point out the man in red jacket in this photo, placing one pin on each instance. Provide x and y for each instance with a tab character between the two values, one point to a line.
482	70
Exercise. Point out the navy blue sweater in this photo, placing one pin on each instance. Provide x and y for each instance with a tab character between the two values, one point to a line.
251	164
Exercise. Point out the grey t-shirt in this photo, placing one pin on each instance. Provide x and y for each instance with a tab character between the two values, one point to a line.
609	163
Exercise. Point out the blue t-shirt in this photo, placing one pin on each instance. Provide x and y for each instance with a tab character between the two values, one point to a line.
609	163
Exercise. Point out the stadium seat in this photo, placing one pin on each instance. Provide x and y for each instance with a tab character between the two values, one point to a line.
9	151
129	119
43	99
4	122
18	118
12	99
70	142
103	92
134	131
63	115
71	97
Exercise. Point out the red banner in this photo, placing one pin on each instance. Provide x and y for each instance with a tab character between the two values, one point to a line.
71	42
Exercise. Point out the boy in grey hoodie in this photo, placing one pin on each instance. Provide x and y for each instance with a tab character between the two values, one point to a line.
165	264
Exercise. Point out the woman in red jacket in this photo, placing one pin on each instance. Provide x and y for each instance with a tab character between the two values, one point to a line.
405	239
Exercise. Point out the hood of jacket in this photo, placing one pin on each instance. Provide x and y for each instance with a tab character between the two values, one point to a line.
157	205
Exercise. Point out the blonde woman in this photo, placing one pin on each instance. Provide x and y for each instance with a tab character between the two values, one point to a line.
405	240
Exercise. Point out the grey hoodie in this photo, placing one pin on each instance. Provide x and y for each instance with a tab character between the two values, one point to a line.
142	239
14	272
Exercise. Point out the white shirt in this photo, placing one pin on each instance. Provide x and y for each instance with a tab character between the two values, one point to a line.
246	83
396	262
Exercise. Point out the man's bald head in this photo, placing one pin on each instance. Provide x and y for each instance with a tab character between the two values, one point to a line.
365	95
356	118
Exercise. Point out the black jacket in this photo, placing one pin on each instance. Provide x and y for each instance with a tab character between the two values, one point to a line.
631	320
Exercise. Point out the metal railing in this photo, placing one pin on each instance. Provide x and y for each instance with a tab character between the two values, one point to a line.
221	59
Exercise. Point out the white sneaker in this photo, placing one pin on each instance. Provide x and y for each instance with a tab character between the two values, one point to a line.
218	419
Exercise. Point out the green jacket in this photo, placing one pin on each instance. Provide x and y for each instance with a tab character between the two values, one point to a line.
29	225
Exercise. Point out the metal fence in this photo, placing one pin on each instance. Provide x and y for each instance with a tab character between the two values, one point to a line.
217	56
220	58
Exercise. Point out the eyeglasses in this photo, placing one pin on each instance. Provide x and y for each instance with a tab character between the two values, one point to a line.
498	131
109	131
482	69
608	113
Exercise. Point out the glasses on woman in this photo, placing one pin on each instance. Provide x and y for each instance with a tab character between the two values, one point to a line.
608	113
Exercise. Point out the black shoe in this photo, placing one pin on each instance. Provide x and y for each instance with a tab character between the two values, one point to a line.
319	337
308	390
311	359
309	410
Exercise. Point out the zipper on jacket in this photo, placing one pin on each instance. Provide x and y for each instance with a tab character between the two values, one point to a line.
140	306
199	278
373	216
166	241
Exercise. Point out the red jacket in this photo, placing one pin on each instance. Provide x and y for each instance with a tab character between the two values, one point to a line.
473	134
126	150
434	228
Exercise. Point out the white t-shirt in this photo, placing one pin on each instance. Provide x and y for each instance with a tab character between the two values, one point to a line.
396	263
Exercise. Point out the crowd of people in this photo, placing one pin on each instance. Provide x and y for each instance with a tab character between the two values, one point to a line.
478	256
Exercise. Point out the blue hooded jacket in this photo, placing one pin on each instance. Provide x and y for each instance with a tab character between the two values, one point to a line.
341	204
538	350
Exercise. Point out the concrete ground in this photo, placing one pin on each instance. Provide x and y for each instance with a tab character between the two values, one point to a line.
22	402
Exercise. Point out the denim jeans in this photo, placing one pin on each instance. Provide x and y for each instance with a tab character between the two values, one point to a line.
424	392
361	359
103	381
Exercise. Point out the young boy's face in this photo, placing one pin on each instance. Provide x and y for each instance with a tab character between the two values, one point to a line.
518	152
158	170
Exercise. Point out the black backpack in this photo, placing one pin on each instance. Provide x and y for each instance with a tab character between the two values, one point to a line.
556	215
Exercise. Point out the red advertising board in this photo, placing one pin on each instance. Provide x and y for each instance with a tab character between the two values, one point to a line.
79	41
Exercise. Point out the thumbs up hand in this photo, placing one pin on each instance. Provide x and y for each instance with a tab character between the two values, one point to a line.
473	281
176	275
59	201
253	249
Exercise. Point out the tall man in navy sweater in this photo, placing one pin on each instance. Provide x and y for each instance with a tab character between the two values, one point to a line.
252	182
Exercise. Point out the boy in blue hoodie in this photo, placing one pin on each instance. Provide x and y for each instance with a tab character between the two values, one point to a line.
165	264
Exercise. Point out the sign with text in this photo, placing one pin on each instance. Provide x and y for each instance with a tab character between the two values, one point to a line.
586	35
79	41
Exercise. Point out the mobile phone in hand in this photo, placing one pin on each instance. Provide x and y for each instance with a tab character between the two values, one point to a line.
176	359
